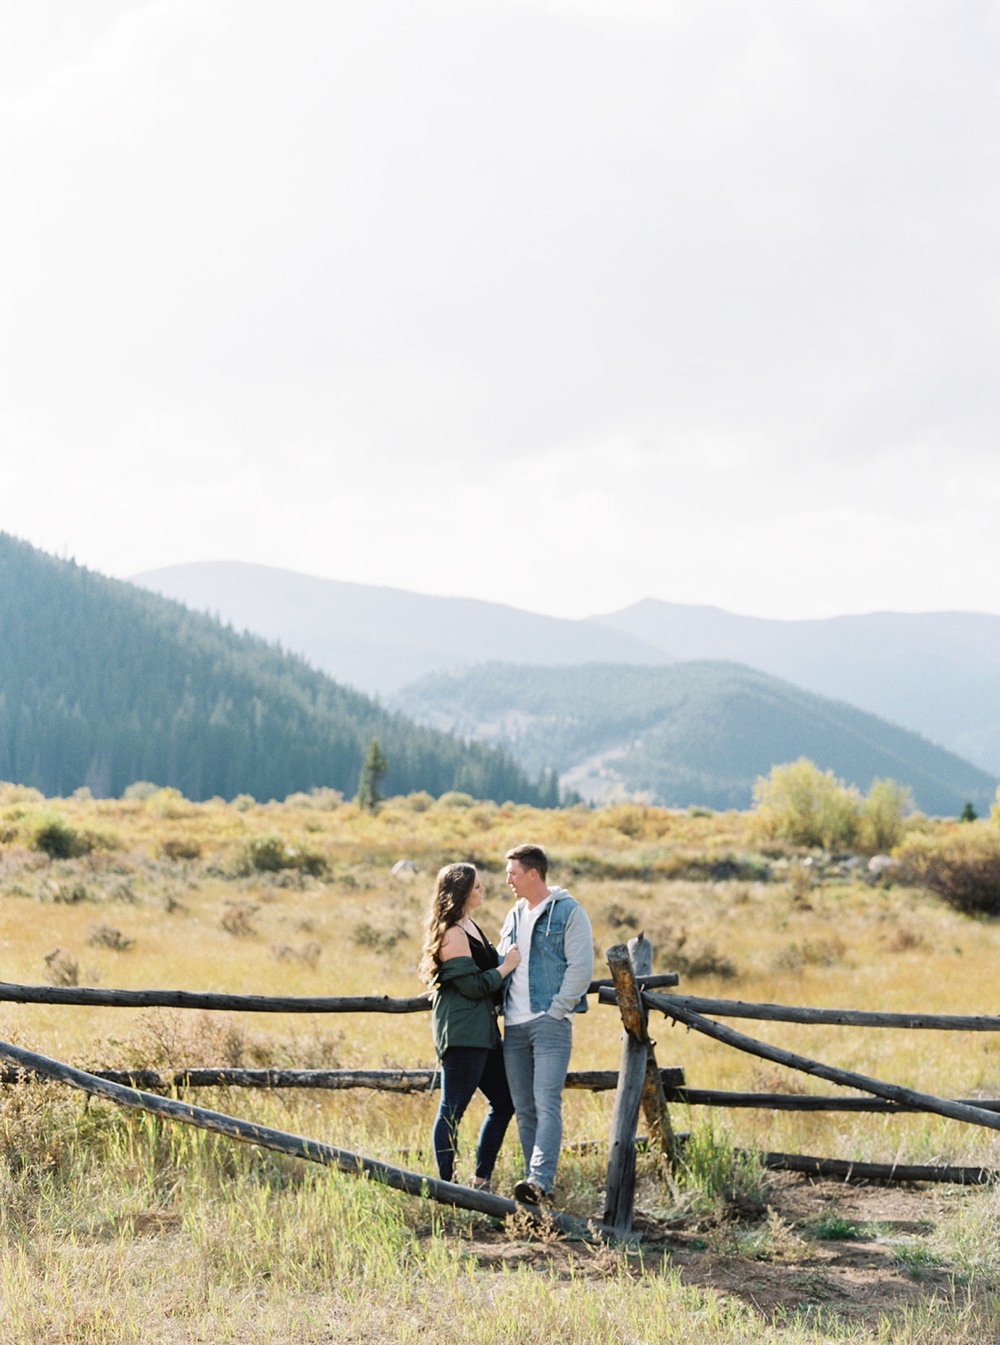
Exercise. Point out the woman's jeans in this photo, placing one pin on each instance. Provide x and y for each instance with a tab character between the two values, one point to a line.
463	1070
537	1055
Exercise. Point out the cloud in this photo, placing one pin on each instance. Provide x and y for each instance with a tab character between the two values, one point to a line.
708	281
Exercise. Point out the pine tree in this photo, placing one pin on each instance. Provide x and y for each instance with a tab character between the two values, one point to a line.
373	772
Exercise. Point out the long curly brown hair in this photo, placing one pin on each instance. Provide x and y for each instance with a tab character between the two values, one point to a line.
451	891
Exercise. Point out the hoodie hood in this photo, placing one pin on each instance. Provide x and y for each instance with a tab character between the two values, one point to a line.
555	894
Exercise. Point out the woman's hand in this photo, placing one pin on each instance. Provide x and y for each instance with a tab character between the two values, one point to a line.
512	959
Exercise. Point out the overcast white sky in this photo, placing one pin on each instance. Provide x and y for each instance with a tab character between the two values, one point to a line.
560	303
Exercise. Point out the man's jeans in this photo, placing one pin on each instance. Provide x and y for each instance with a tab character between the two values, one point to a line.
537	1056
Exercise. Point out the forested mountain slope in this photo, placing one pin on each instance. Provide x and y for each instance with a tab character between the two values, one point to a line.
937	673
689	733
103	684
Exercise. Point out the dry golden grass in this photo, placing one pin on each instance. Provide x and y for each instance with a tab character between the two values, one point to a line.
133	911
201	924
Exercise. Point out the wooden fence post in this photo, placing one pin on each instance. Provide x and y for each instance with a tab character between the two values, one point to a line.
639	1085
619	1196
654	1098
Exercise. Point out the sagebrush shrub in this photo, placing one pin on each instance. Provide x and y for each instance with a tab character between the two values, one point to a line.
53	835
237	919
271	853
962	866
106	936
62	969
180	847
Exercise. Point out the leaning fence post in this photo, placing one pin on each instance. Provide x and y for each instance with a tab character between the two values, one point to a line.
619	1198
654	1098
639	1085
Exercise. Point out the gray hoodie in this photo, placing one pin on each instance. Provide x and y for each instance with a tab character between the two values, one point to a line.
561	959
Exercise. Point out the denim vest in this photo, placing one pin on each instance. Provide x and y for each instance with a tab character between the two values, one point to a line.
547	962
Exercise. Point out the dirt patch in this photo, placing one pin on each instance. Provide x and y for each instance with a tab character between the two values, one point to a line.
853	1250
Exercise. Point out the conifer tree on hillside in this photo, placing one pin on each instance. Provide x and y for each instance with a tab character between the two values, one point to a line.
373	772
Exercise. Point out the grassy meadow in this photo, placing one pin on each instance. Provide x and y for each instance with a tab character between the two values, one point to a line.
115	1228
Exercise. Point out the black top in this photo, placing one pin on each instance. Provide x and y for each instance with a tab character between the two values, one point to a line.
483	953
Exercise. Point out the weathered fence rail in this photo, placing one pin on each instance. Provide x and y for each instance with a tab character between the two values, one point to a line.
715	1097
314	1151
848	1170
210	999
639	1083
380	1080
786	1013
958	1111
127	1087
845	1169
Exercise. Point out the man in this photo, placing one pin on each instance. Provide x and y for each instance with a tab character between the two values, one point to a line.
553	936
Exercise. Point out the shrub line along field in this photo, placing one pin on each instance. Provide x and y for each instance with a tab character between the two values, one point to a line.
116	1227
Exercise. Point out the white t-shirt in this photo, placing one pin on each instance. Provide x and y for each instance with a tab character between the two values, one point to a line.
517	1006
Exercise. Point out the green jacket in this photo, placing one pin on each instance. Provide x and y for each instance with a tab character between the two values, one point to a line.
464	1012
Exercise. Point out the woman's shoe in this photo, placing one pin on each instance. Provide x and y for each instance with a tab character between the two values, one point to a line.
480	1184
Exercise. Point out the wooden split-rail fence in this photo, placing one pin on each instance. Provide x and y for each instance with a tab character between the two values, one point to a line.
640	1084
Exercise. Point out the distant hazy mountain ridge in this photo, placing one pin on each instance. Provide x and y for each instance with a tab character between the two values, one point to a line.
937	674
379	639
690	733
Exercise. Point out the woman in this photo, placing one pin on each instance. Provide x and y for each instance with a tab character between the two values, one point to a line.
465	972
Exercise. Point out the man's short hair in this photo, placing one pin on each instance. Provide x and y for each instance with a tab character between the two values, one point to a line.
530	857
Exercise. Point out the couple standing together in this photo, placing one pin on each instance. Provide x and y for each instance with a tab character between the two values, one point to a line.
538	976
